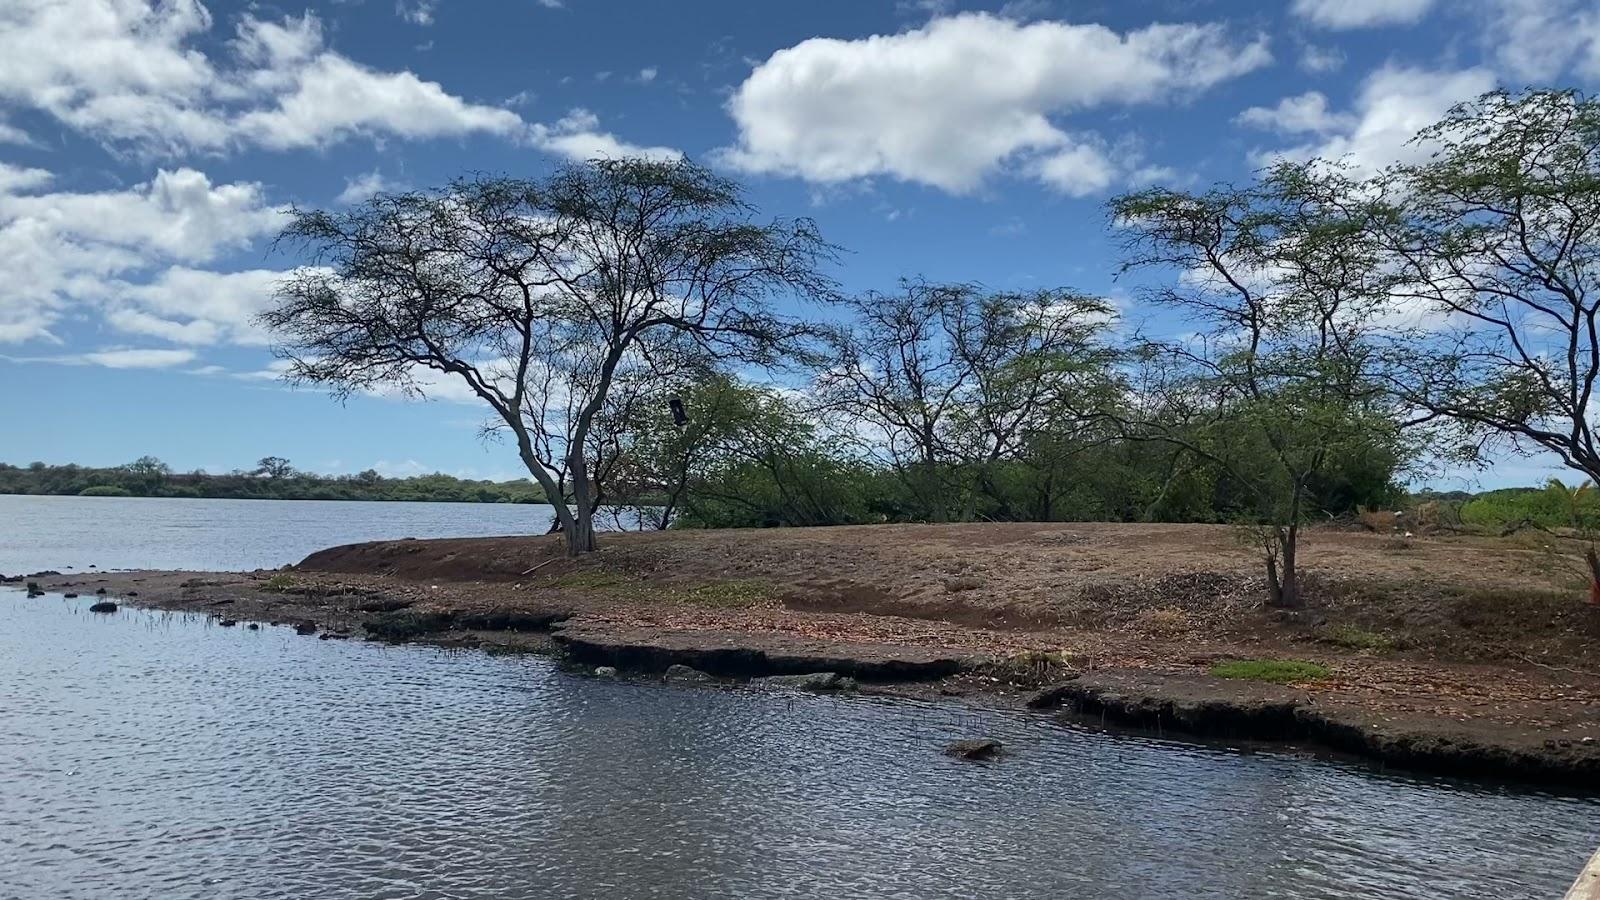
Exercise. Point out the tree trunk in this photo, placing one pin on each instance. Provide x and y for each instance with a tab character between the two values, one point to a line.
1283	588
580	532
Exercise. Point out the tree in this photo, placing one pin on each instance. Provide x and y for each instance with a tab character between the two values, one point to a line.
1280	288
1496	240
147	473
946	380
547	300
274	467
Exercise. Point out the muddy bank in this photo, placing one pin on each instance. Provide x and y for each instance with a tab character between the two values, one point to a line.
736	607
1217	708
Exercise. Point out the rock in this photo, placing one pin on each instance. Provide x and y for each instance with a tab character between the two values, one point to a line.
816	681
70	596
1051	697
333	636
678	672
133	593
253	626
100	590
975	749
605	671
305	628
33	589
44	574
227	623
104	606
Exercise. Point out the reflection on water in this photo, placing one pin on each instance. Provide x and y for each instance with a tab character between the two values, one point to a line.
66	533
155	755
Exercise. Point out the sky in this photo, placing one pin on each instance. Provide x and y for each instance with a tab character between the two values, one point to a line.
148	153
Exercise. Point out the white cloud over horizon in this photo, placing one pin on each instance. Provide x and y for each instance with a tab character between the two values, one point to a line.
962	98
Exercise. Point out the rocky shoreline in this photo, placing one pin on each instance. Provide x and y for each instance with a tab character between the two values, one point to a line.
1172	700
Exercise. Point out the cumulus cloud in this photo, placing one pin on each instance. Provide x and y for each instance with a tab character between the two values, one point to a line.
63	249
1542	39
364	186
1305	113
961	98
1394	103
1345	14
130	71
578	136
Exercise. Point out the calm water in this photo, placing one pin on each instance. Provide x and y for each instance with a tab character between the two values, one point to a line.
223	535
160	756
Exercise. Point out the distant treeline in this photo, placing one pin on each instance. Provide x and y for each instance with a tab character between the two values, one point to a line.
273	478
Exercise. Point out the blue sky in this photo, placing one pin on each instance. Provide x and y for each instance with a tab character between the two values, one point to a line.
146	151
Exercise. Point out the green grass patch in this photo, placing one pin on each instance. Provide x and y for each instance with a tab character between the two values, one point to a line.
278	583
1357	638
593	580
735	593
1277	671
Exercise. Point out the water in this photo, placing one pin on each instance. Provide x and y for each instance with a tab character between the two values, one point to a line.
157	755
227	535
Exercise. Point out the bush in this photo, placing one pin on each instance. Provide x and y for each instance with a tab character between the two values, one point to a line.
105	490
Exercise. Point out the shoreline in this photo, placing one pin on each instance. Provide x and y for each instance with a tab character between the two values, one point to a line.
1524	723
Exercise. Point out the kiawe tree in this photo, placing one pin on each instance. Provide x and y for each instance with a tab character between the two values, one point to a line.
947	380
553	301
1496	237
1273	377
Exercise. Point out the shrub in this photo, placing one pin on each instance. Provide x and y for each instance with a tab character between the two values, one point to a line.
105	490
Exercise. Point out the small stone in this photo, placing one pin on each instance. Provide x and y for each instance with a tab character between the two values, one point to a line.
133	593
253	626
975	749
70	596
227	623
678	672
305	628
104	606
99	590
605	671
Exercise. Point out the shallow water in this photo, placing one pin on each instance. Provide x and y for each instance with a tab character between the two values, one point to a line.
159	755
66	533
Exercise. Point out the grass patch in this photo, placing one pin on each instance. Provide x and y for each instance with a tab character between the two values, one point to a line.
1357	638
735	593
592	580
1277	671
278	583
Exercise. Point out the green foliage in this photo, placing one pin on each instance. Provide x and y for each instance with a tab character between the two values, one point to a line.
149	477
1554	506
278	583
1276	671
1357	638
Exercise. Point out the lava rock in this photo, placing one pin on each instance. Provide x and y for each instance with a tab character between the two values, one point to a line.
821	682
605	671
104	606
677	672
227	623
975	749
253	626
70	596
305	628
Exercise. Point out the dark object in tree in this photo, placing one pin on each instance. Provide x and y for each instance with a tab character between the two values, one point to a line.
555	302
679	417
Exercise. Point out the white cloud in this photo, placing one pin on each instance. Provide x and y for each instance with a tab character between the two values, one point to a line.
417	12
1542	39
63	249
577	136
119	358
1078	170
1321	60
648	74
960	98
1306	113
129	71
1393	105
364	186
1344	14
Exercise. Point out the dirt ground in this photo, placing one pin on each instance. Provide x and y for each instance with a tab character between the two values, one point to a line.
1459	639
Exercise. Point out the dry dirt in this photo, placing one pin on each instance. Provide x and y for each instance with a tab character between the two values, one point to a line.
1493	636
